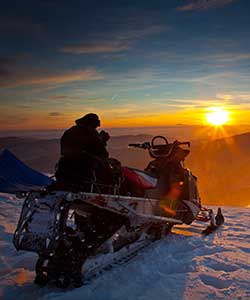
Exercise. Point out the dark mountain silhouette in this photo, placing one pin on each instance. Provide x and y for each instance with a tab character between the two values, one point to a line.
222	166
40	154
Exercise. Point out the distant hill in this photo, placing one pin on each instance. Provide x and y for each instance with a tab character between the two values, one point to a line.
37	153
222	166
42	154
223	169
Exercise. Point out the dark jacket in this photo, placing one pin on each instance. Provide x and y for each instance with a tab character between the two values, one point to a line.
82	139
82	152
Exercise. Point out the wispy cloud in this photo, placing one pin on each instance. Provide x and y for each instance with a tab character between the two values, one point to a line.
56	114
98	47
5	64
21	25
117	42
226	97
203	5
23	106
237	98
153	77
142	32
222	57
13	120
58	97
6	61
232	57
47	78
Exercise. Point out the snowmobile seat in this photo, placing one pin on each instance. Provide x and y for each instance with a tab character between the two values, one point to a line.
139	178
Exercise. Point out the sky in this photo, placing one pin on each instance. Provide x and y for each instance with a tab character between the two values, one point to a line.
135	63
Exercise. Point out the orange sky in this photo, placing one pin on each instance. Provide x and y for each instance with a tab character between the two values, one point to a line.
36	120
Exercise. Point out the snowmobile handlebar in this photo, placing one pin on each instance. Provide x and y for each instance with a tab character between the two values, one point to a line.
159	150
145	145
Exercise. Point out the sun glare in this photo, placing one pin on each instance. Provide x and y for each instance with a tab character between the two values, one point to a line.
217	116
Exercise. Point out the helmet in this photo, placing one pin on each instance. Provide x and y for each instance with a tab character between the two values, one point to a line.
90	119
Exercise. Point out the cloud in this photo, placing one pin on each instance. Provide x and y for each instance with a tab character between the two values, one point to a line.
13	120
203	5
222	57
20	25
56	114
106	47
117	42
3	73
6	61
5	64
58	97
141	32
226	97
103	47
36	77
235	98
23	106
225	58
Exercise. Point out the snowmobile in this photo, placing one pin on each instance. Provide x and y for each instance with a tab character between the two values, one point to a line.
73	229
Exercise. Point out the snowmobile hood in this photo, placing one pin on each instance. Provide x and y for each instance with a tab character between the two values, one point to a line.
16	177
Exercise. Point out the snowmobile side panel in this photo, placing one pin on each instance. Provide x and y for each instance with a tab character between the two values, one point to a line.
44	215
134	207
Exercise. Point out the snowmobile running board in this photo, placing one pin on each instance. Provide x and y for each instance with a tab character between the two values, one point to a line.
113	204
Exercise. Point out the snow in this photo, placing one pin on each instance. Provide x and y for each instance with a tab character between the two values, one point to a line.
185	265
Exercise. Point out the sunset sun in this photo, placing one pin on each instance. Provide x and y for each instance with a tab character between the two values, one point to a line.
217	116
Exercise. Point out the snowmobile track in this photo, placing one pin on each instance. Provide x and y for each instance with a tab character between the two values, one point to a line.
96	267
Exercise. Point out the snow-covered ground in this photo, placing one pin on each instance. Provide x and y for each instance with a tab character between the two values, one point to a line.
185	265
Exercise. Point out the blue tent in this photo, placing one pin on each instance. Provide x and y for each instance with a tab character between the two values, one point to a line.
15	176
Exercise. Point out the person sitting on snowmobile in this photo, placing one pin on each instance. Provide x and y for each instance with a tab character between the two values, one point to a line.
83	154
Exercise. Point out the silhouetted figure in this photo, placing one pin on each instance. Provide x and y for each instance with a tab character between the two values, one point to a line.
83	165
83	154
104	136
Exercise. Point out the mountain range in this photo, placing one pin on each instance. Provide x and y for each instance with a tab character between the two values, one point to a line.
222	166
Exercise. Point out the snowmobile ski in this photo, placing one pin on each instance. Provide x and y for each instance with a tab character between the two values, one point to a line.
215	223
